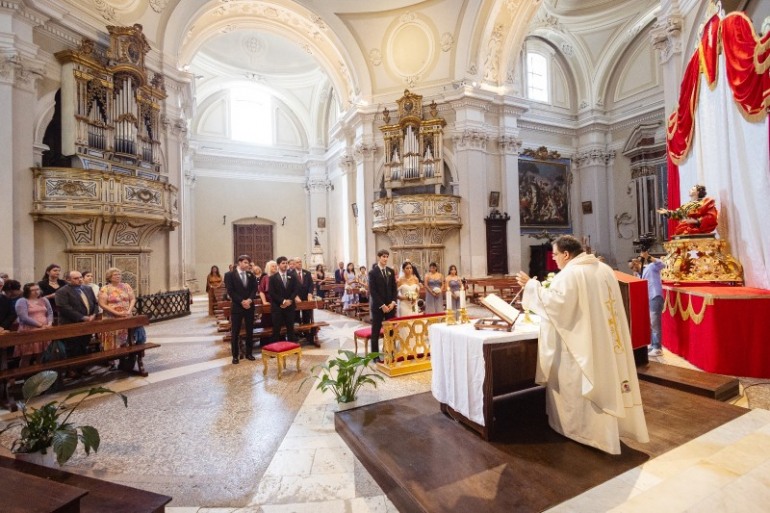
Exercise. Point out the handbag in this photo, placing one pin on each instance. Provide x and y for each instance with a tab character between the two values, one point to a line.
56	350
140	335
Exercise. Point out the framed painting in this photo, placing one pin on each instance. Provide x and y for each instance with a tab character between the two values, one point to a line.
544	195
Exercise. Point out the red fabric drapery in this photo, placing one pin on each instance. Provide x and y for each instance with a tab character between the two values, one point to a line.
747	66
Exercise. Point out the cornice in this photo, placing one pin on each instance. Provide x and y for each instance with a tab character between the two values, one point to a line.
548	128
217	161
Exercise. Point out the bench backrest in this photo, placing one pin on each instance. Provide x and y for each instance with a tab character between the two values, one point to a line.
302	305
14	338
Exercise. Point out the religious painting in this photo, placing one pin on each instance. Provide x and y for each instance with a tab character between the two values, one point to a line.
321	222
494	199
544	198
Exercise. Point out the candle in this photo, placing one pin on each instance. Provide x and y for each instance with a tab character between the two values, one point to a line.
462	298
448	299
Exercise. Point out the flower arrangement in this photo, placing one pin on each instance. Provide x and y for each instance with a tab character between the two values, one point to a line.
548	279
411	296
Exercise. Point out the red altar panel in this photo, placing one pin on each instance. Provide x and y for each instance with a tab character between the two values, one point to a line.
634	291
719	329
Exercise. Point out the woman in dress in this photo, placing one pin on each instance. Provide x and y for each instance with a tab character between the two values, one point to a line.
434	285
454	283
34	312
351	287
117	300
213	281
363	284
408	291
319	278
266	321
50	284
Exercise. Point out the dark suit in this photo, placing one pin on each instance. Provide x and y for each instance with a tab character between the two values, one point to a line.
237	292
72	310
304	290
339	276
278	293
382	291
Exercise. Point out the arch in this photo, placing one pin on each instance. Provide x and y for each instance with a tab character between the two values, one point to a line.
189	26
45	108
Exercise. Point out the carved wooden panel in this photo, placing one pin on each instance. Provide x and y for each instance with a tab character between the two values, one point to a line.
497	246
255	240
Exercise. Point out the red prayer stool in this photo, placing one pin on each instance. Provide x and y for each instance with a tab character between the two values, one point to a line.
366	335
279	351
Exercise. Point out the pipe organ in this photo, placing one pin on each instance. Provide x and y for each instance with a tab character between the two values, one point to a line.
115	196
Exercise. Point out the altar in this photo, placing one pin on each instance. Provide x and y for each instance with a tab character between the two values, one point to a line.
719	329
475	369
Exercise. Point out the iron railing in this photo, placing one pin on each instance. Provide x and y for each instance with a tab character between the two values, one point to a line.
164	305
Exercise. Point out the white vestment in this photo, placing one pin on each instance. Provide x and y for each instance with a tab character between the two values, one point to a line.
585	357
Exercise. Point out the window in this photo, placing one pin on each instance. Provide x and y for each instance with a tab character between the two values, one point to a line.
251	116
537	77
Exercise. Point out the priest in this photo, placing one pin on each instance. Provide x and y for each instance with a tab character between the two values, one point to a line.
585	359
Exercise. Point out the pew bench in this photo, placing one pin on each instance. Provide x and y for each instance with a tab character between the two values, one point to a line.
8	376
267	332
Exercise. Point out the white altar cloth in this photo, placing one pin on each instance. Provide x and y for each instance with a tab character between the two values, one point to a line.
457	358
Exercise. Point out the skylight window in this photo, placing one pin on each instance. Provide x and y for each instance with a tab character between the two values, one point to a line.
251	116
537	77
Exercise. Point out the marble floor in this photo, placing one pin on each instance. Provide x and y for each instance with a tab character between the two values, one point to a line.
224	438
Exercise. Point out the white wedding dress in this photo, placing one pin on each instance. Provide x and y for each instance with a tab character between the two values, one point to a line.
406	307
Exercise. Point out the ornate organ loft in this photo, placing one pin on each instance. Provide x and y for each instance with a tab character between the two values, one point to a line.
110	194
416	213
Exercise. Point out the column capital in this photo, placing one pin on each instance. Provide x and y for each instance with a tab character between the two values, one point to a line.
509	144
472	138
594	157
364	151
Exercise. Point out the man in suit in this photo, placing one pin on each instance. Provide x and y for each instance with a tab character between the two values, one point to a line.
241	287
382	295
76	303
283	294
305	288
339	274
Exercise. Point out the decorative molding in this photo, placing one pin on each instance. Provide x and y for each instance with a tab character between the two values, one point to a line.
541	153
315	185
158	5
106	10
491	62
472	139
347	163
594	157
665	37
447	42
547	128
375	56
70	188
509	144
364	151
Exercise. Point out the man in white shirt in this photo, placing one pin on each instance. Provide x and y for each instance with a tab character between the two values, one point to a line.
585	358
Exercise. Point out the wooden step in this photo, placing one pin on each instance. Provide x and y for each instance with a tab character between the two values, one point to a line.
715	386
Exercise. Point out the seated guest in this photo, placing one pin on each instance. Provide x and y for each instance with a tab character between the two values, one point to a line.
50	283
363	284
34	312
11	294
339	273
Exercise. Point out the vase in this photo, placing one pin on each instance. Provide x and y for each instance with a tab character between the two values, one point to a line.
38	458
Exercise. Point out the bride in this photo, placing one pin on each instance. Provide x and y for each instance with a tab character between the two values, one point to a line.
408	291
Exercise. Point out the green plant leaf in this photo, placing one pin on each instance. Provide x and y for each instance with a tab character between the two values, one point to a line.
90	438
39	383
65	440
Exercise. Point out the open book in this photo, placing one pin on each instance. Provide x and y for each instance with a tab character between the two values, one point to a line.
507	314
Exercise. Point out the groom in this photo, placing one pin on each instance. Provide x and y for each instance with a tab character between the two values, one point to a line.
382	295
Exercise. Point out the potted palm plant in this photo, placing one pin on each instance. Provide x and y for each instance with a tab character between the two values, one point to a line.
345	374
47	431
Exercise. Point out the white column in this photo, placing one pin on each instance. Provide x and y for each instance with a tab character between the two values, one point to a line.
364	196
594	165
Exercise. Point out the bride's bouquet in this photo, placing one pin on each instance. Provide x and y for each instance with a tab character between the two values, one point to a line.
411	296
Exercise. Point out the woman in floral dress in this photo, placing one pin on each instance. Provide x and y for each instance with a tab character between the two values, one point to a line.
117	300
34	312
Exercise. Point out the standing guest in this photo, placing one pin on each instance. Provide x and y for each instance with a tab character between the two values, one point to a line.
88	281
34	312
282	292
454	284
75	304
635	266
257	271
651	273
9	297
213	281
50	283
585	358
382	295
362	277
434	284
339	274
117	301
351	287
304	293
319	279
242	290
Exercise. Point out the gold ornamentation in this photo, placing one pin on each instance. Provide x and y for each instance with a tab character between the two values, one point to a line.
700	259
675	306
613	321
541	153
406	347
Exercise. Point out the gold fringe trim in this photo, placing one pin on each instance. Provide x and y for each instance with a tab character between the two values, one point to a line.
686	313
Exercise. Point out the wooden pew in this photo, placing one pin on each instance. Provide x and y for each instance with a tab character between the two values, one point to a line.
262	332
17	338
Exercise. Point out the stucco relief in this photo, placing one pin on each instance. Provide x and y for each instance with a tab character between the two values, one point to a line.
79	232
375	56
106	10
158	5
471	138
70	188
594	156
491	62
142	195
126	234
407	208
447	42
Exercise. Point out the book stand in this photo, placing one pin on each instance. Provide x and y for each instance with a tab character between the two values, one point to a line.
506	315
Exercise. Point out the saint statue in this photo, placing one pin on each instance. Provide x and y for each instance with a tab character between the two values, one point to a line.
699	215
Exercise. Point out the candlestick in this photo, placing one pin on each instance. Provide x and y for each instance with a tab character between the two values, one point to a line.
450	317
448	299
462	299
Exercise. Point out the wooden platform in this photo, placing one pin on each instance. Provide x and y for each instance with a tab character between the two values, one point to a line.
426	462
714	386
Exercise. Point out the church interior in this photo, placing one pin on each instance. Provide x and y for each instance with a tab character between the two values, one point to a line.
164	137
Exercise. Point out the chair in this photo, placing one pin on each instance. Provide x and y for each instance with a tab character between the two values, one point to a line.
279	351
366	335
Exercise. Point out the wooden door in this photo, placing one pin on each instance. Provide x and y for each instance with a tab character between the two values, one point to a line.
255	240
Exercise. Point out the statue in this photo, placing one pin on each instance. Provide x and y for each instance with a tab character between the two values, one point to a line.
386	115
699	215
